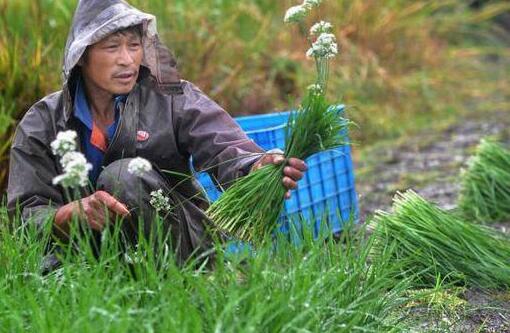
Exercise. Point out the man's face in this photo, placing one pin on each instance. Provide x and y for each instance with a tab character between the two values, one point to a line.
113	63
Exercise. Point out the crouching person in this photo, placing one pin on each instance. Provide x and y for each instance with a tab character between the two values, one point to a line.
123	96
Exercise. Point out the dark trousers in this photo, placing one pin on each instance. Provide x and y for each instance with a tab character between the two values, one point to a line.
183	228
184	225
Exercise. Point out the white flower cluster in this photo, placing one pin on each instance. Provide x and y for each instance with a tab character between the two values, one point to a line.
64	143
296	13
321	28
76	168
139	166
159	201
324	47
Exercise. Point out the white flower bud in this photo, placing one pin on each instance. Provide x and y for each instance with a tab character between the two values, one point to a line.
315	89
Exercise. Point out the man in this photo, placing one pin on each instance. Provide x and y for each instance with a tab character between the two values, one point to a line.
123	95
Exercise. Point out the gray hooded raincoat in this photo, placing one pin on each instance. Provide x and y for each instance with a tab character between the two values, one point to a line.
180	120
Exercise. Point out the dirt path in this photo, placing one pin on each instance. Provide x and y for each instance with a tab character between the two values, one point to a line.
430	163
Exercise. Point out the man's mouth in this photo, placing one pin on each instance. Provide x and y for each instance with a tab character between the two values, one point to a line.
125	76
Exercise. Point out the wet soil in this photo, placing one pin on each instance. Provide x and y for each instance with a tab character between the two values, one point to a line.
430	163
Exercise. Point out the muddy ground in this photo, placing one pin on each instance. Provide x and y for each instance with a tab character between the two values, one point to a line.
429	163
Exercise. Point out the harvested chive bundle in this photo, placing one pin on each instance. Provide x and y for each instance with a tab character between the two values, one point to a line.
434	242
249	209
244	209
485	191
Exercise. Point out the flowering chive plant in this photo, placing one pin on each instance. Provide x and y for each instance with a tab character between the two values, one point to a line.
323	43
249	209
323	49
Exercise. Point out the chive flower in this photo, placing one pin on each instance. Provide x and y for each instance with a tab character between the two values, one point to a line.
139	166
64	143
159	201
76	170
309	4
295	14
320	28
324	47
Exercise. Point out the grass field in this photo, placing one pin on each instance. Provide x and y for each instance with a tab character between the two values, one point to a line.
317	286
376	282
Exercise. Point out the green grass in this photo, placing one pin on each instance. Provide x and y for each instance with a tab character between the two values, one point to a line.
317	286
485	191
438	244
361	283
401	62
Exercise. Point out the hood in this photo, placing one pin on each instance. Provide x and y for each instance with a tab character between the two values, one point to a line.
95	19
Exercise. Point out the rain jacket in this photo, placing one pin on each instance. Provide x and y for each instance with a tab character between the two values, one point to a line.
177	120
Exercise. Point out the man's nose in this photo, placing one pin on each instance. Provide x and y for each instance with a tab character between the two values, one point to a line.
125	56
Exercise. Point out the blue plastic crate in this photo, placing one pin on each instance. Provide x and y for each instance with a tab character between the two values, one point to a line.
325	194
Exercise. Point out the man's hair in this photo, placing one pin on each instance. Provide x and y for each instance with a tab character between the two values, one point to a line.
134	29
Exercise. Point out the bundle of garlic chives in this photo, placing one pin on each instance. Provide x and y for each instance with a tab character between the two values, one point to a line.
249	209
433	242
485	189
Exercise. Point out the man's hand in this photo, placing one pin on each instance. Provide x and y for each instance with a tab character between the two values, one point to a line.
292	172
96	209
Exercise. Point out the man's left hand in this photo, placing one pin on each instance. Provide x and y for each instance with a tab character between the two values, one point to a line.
292	172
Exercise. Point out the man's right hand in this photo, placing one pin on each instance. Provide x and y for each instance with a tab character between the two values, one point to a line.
96	209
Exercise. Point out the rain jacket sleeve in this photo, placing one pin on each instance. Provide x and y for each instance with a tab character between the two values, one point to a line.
33	169
214	140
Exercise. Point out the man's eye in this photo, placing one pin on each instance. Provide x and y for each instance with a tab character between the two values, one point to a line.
135	45
111	47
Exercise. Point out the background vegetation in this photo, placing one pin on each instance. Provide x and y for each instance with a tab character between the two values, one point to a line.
403	63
